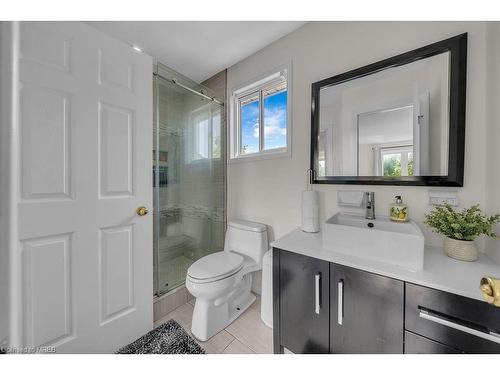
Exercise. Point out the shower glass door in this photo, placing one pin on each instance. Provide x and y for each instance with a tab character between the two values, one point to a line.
188	177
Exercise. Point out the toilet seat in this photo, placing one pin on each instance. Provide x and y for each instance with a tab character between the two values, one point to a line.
215	267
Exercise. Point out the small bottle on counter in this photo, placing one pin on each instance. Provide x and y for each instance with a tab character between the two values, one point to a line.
399	211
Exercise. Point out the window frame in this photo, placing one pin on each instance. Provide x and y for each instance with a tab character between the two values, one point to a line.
403	151
258	85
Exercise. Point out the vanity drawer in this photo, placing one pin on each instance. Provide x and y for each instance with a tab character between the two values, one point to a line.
463	323
416	344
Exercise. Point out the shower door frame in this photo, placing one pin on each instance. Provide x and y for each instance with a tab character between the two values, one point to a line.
184	83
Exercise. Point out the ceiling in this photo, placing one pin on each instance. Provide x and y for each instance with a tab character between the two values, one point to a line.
198	49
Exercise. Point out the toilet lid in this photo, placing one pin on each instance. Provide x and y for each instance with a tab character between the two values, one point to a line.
216	265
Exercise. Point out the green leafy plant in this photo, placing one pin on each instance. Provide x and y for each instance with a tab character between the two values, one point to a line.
464	225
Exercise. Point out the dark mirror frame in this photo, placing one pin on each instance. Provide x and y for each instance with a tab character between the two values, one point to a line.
457	46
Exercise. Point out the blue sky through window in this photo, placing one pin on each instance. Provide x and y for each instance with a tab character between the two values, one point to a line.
275	122
250	122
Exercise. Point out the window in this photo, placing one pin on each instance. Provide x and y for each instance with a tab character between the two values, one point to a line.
216	134
397	161
204	139
260	118
200	150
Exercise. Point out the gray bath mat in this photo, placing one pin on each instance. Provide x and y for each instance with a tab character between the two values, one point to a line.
169	338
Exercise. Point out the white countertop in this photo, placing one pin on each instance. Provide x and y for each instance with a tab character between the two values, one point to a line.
439	272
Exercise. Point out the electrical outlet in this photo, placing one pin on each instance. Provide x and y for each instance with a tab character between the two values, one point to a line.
440	197
439	201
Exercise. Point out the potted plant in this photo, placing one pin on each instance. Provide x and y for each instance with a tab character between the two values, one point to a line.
460	229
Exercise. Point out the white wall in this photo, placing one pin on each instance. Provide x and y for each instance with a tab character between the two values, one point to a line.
493	147
269	190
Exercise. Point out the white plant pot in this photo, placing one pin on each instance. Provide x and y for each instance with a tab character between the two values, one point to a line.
461	250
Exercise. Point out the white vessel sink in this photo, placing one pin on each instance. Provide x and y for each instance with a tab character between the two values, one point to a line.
383	240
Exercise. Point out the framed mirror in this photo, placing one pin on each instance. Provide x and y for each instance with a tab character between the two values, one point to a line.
399	121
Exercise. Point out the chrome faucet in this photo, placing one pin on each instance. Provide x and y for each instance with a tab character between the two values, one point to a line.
370	205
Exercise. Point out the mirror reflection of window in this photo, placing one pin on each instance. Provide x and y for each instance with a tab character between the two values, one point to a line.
322	153
216	135
397	161
204	138
405	107
385	142
201	137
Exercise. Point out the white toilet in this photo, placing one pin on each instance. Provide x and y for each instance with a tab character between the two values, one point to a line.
222	281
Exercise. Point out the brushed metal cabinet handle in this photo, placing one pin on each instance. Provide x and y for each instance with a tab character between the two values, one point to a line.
340	304
433	318
317	305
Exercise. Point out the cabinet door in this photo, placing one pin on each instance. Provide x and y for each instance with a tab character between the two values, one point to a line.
366	312
304	303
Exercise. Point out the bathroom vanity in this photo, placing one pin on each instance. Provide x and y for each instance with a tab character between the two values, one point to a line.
328	301
363	286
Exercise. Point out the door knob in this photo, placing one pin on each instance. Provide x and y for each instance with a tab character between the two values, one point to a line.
141	211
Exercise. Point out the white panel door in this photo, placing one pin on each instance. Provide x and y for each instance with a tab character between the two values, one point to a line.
85	143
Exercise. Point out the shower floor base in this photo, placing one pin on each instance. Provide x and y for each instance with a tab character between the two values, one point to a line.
172	272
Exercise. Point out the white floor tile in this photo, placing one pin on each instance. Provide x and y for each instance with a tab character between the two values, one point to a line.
182	315
218	343
247	334
252	332
236	347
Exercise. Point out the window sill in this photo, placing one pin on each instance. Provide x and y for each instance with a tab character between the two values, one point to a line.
260	156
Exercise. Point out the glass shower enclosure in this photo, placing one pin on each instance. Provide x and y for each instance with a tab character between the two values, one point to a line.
188	176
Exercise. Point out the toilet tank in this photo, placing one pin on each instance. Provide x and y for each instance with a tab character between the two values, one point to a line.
247	238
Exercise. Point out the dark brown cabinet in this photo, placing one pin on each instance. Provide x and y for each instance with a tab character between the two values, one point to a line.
303	303
366	314
416	344
464	324
322	307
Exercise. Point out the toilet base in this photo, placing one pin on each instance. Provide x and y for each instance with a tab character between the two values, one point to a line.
212	316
